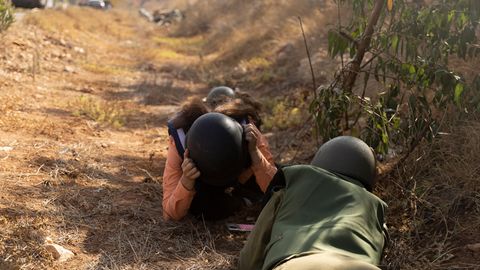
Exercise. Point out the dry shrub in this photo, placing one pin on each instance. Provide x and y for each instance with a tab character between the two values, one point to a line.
103	112
238	31
434	202
285	113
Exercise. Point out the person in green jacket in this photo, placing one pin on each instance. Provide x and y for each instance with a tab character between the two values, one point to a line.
323	215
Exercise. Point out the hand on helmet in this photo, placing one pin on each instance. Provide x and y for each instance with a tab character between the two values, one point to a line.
252	135
190	172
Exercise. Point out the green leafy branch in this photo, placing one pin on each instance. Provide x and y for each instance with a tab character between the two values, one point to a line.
406	47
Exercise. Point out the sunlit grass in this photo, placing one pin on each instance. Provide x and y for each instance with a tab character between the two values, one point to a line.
256	63
159	54
284	113
180	45
103	112
104	69
176	42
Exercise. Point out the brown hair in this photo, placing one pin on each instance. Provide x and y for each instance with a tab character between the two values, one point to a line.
191	109
242	106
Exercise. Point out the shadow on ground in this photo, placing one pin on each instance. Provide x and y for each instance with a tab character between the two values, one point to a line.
117	215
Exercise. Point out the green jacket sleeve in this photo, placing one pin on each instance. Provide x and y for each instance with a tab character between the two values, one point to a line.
253	253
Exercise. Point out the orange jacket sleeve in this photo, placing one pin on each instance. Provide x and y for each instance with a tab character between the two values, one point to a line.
263	171
176	198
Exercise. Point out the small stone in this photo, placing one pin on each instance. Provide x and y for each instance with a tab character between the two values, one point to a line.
69	69
58	252
102	144
79	50
48	240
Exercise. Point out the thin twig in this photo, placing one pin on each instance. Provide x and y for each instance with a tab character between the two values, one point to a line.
148	173
340	28
309	59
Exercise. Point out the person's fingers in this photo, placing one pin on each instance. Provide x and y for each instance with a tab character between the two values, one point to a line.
189	166
189	173
196	174
186	154
247	127
252	135
192	173
255	129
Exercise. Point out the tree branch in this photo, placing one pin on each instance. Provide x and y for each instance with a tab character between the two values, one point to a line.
363	45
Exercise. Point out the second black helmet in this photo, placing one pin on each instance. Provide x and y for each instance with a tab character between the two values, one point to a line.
219	95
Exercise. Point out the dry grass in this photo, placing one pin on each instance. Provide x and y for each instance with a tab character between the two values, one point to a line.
252	37
105	69
103	112
83	207
77	24
186	45
284	113
97	190
434	201
90	188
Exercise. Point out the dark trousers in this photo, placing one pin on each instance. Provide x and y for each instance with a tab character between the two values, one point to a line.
214	203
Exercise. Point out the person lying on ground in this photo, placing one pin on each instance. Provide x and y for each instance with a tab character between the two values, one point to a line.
321	216
182	193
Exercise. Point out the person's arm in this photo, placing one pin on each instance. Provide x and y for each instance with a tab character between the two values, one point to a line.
253	254
263	166
177	196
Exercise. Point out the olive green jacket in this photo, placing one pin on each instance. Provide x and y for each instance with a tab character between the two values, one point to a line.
317	211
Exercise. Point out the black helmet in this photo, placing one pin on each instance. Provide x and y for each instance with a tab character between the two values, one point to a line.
216	145
349	156
218	95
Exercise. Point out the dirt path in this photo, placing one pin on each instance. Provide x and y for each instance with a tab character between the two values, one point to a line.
84	96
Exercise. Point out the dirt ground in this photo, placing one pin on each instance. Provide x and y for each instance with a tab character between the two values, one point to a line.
84	98
83	141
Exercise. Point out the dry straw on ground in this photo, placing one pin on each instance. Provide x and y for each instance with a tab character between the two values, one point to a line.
434	200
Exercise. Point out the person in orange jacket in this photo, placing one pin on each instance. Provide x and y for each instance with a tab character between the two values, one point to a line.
182	193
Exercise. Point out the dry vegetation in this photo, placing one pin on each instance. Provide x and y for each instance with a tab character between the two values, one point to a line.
435	204
257	44
84	142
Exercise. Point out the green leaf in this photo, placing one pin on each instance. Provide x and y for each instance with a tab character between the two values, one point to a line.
450	15
395	40
385	137
411	69
458	92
